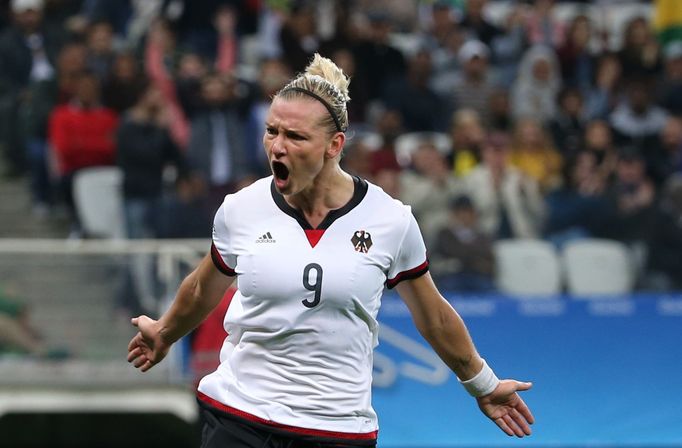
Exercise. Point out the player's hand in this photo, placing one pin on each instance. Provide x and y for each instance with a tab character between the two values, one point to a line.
505	407
147	348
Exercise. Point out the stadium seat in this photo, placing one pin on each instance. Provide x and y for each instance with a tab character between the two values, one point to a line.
99	203
597	267
407	143
527	268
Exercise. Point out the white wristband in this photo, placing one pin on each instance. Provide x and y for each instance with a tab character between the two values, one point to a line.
483	383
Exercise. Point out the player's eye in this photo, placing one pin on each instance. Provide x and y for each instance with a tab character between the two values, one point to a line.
270	130
295	136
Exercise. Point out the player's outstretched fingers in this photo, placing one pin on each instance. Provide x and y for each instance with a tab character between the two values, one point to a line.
516	430
135	341
525	412
147	365
503	426
140	361
134	353
520	421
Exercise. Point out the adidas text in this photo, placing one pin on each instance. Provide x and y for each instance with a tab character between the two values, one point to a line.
266	238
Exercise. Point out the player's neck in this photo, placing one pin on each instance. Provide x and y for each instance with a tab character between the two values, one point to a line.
332	189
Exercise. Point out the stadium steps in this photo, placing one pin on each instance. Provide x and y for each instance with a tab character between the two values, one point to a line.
72	302
19	220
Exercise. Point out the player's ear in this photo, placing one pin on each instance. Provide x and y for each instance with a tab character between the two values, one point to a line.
335	145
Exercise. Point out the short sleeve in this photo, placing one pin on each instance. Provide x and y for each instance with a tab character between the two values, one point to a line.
411	261
221	248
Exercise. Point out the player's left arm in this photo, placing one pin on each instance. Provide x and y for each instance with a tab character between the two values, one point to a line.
445	331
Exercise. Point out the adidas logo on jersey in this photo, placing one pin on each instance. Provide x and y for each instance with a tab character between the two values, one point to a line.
266	238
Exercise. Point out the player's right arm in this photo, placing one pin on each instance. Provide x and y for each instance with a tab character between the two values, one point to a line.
199	293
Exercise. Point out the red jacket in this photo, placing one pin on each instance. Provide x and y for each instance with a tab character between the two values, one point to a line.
82	137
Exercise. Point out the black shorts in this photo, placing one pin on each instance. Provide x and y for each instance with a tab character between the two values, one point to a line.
223	430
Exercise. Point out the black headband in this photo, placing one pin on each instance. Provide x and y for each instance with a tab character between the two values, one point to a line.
321	100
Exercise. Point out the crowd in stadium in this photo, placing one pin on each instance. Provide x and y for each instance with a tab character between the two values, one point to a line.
526	126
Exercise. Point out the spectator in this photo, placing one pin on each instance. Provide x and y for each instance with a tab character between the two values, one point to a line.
606	91
101	54
357	159
28	53
388	179
389	126
475	24
117	14
379	62
124	84
508	47
467	135
463	256
499	111
429	187
27	50
217	148
578	208
637	119
195	22
443	40
474	88
421	108
71	63
664	264
33	114
443	24
631	199
160	53
508	203
18	335
576	59
225	24
446	64
670	97
599	142
349	29
568	125
543	28
192	68
535	156
298	36
81	134
640	54
665	157
143	149
535	90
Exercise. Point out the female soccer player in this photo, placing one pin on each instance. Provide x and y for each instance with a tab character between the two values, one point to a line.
312	249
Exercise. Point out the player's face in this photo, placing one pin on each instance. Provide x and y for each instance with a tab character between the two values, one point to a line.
296	144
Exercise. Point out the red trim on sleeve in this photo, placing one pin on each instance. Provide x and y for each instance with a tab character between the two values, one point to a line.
408	275
220	263
294	429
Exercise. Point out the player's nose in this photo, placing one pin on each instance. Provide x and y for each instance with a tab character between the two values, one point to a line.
277	147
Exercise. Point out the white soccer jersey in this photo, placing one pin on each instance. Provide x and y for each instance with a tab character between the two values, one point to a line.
302	326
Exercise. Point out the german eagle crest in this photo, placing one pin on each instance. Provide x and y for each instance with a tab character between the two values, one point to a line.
362	241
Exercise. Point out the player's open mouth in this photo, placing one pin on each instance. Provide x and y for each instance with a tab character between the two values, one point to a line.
280	170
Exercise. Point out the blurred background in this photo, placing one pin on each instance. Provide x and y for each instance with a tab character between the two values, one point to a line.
539	144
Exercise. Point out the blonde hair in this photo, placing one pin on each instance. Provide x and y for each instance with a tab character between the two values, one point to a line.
324	81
